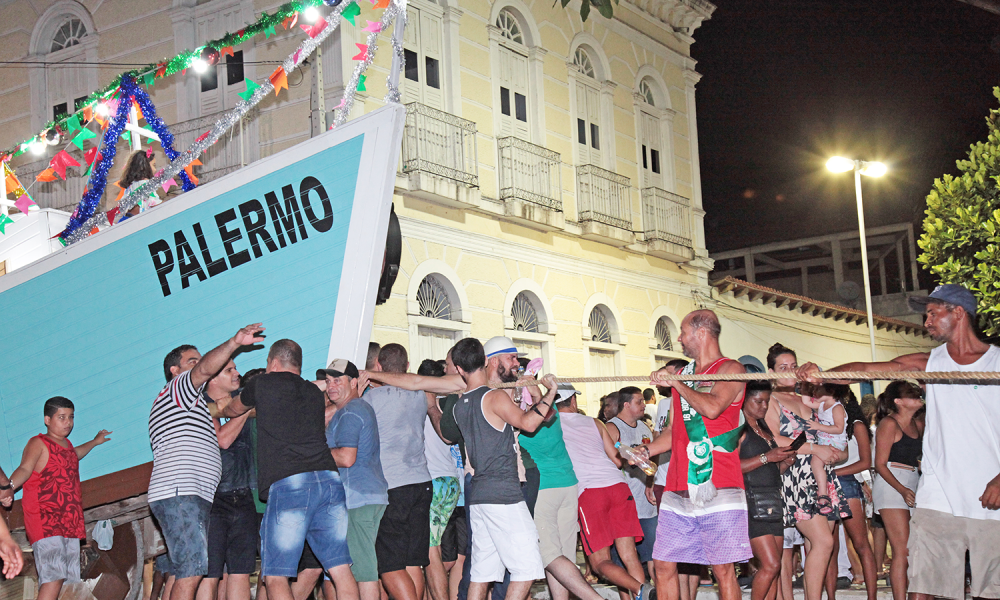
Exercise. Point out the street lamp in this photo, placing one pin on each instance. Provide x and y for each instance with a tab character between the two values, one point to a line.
839	164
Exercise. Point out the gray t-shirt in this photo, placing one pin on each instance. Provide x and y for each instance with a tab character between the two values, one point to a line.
400	415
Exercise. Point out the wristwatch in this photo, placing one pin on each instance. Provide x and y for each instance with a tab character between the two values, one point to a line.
763	459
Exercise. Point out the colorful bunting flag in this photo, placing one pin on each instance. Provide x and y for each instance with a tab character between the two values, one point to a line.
62	160
47	175
84	135
268	30
73	123
12	183
166	185
316	28
112	214
226	50
350	12
161	70
4	222
24	203
361	83
190	173
251	88
279	79
373	26
362	51
290	22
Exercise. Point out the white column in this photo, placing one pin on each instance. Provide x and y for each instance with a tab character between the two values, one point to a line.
691	78
452	67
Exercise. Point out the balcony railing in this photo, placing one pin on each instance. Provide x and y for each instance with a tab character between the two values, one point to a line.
530	173
666	216
440	143
603	197
237	148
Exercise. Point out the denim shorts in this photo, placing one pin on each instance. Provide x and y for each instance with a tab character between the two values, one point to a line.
307	506
850	486
184	523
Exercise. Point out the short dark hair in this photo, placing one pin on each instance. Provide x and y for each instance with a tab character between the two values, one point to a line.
468	355
393	358
612	404
677	364
286	351
707	320
173	359
245	379
648	394
373	350
430	368
53	404
757	387
627	393
776	350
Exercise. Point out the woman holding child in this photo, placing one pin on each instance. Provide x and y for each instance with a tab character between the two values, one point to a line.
790	416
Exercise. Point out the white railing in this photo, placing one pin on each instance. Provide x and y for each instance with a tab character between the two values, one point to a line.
440	143
238	147
529	172
666	216
604	197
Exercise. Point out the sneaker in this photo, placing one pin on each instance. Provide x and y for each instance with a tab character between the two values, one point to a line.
844	583
797	584
645	592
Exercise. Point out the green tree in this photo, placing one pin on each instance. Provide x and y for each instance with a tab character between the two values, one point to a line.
961	239
603	6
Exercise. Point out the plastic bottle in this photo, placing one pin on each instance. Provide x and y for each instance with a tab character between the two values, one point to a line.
629	454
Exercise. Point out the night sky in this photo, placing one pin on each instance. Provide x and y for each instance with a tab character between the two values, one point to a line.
786	84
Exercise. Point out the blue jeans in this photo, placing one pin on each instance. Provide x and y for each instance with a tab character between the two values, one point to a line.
307	506
184	523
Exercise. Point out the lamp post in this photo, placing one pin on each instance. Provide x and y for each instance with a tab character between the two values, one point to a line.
839	164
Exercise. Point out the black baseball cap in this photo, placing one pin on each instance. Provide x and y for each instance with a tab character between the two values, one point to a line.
952	293
338	368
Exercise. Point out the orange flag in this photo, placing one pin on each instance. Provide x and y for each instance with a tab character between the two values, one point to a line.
189	170
47	175
279	79
12	183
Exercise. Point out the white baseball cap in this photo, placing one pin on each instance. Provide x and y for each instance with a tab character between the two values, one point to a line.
565	391
498	345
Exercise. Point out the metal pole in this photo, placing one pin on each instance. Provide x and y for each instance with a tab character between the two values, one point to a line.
864	257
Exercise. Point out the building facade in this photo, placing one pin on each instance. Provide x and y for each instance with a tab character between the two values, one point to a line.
548	187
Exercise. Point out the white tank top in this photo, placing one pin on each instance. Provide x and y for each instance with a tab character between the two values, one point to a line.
634	477
961	449
585	445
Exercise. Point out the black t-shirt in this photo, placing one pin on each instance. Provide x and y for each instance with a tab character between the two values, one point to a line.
291	432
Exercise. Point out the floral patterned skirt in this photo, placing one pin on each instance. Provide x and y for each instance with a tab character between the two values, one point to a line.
798	489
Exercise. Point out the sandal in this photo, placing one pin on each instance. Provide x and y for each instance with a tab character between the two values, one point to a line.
824	505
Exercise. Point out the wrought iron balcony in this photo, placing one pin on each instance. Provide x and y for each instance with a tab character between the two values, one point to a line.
441	144
666	219
603	197
233	151
529	173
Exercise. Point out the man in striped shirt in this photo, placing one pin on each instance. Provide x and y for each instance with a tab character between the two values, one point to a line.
186	461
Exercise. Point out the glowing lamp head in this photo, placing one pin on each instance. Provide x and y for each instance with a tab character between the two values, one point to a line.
310	14
199	65
102	110
37	147
873	169
839	164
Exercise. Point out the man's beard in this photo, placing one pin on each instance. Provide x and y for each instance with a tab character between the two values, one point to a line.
688	352
506	376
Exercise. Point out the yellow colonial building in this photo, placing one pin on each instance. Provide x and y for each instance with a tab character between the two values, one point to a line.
548	188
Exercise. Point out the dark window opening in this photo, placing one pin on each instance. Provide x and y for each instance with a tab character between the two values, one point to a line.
433	79
412	66
645	163
595	137
521	107
655	159
581	131
210	79
505	101
59	111
79	102
234	68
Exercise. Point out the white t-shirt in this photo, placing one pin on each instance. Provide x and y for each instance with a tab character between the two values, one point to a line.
659	425
961	449
440	461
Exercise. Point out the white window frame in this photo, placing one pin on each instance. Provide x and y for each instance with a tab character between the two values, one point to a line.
605	90
664	115
535	58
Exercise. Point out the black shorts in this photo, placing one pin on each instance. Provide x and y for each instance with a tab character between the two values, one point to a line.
455	540
404	535
308	559
232	534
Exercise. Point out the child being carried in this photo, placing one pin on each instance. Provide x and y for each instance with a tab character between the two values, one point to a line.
830	426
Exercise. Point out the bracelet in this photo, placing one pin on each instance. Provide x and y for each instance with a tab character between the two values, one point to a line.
763	459
10	485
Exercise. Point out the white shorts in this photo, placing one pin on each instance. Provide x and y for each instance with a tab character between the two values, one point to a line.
504	537
792	538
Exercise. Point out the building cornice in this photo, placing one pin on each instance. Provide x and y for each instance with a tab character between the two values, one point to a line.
682	16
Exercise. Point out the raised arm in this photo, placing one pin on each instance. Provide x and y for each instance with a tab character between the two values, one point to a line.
499	403
907	362
449	384
713	403
84	449
231	430
213	362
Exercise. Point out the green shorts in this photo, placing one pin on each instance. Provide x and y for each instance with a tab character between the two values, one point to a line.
362	527
446	493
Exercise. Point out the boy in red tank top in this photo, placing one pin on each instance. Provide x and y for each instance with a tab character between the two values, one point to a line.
53	511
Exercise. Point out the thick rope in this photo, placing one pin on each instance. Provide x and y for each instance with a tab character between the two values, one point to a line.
935	376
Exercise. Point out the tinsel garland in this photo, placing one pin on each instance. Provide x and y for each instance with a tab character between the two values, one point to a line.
180	62
395	8
177	165
129	90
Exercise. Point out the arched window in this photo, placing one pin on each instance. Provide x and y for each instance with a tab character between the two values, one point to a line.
523	314
433	300
662	334
509	27
646	91
68	34
582	60
600	330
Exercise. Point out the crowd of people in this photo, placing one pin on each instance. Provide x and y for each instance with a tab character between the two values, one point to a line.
442	485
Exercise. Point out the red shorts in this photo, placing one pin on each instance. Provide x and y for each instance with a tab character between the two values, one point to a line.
606	514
